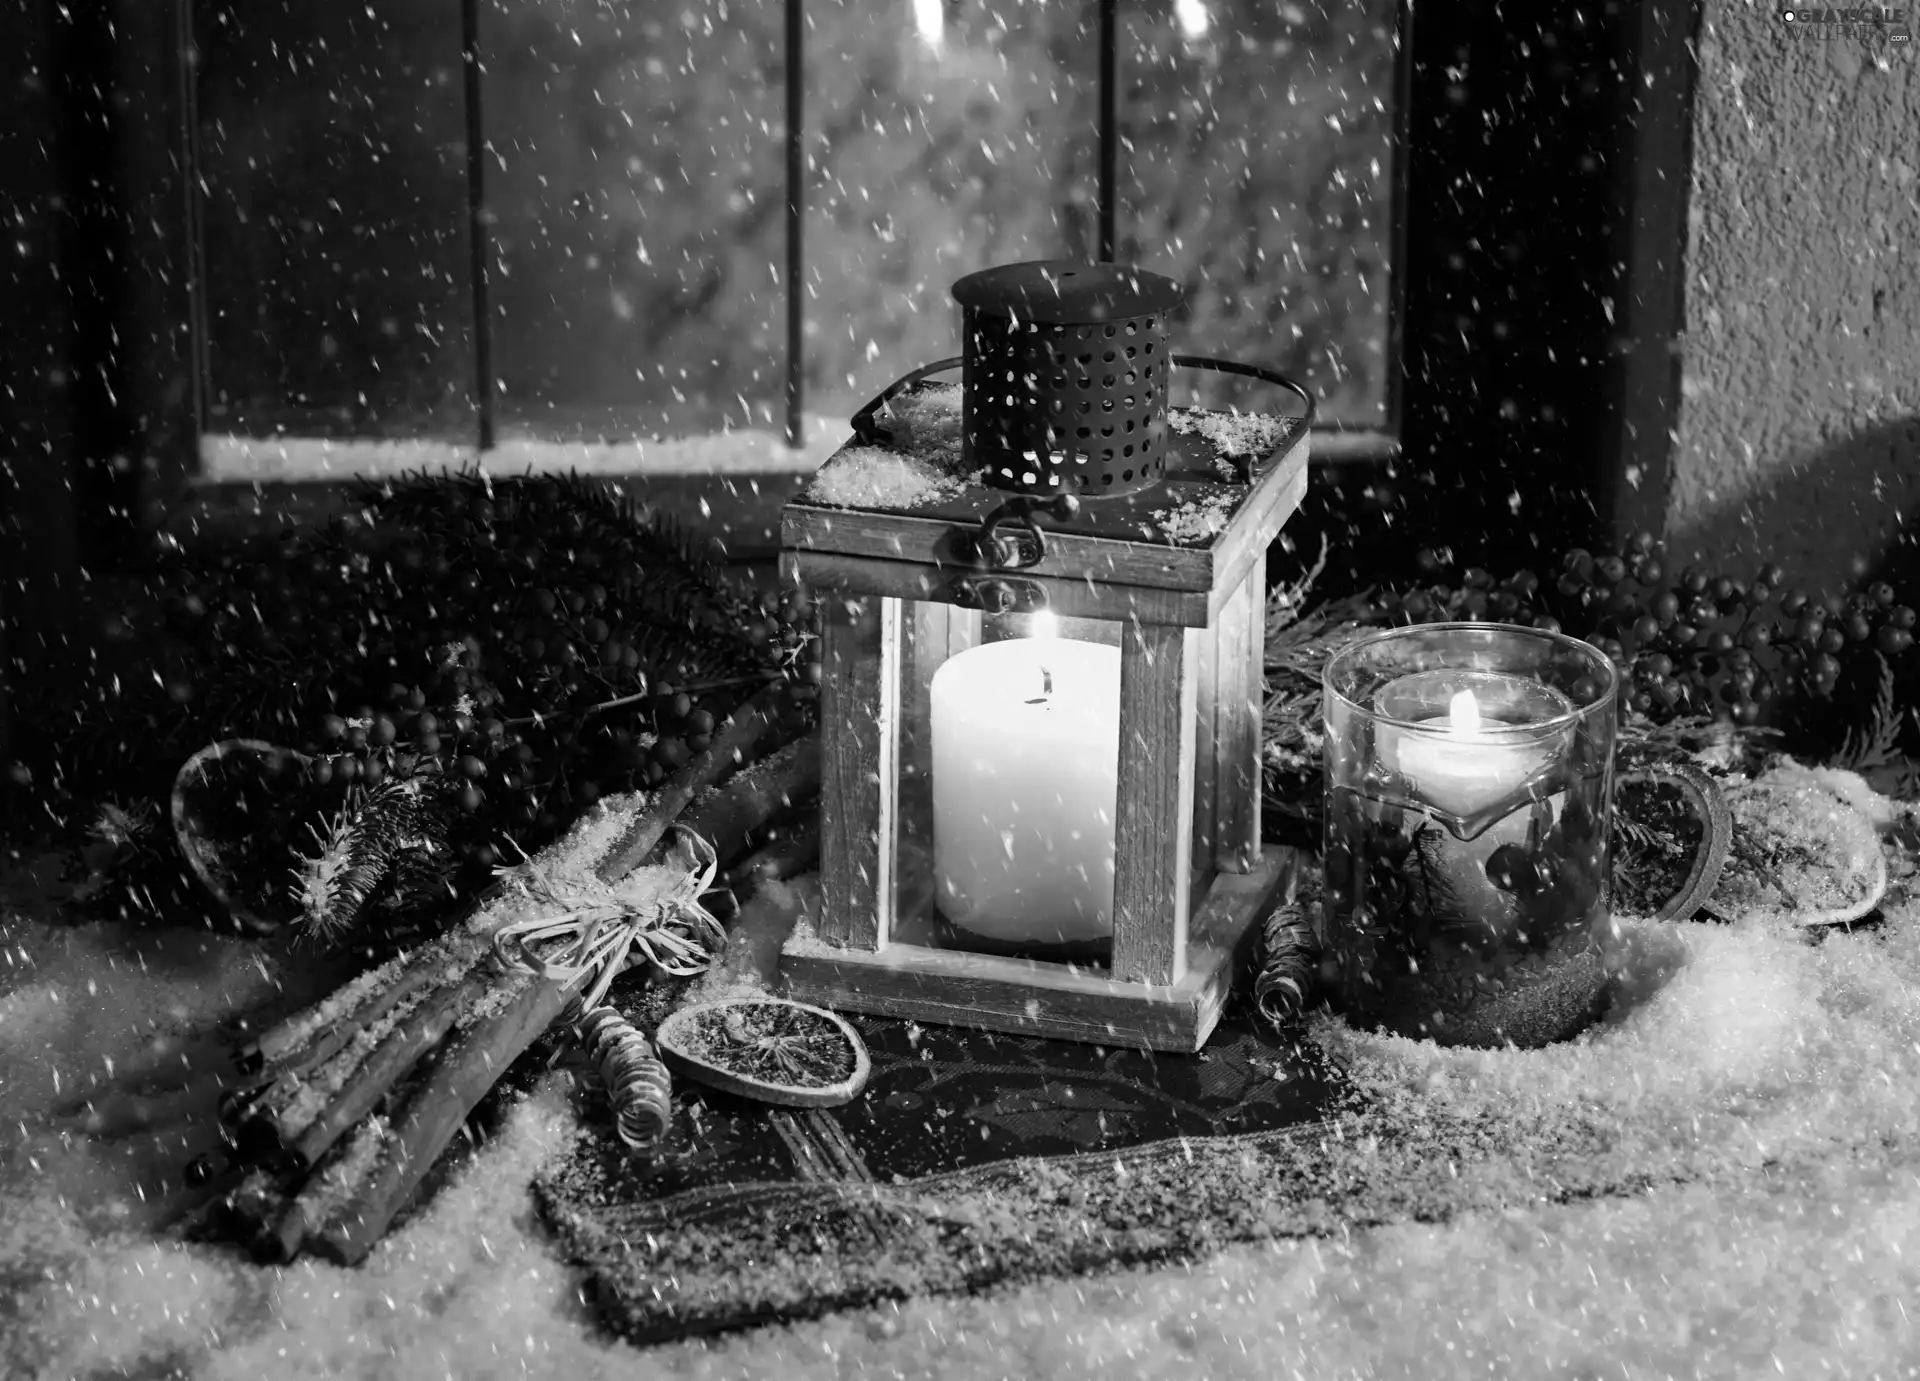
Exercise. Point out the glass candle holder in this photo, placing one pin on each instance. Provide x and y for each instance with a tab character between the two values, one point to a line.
1469	788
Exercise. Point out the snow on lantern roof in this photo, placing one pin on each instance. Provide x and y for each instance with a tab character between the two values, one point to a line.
1219	461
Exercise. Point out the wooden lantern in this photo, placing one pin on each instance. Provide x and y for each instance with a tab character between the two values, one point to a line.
953	512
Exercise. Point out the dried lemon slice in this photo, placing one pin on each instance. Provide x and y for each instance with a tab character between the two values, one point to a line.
767	1048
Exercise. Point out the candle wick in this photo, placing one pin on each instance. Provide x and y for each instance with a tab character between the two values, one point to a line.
1046	688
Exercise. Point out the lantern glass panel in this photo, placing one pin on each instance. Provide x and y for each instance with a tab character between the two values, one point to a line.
1008	770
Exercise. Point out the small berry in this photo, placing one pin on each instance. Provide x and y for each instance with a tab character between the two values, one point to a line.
1893	641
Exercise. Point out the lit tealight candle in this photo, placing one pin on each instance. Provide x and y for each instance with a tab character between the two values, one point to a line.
1459	763
1026	751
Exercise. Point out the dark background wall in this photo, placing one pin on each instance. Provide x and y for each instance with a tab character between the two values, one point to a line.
1799	432
36	443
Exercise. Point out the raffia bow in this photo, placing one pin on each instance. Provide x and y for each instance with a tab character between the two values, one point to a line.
599	925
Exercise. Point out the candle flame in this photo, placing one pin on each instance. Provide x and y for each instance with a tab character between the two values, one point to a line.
930	19
1043	624
1463	713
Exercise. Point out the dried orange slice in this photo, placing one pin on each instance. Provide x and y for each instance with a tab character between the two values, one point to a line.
1671	831
767	1048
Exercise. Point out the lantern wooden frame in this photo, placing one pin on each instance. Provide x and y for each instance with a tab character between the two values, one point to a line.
1190	620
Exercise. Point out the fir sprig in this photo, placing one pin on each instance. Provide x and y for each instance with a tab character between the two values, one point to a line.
1872	744
389	841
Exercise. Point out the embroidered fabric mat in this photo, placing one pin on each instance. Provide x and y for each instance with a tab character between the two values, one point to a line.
972	1158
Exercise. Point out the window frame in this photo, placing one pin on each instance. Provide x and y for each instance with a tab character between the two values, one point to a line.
138	343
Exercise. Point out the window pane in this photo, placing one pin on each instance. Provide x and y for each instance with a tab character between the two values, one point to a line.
637	190
942	138
333	163
1259	176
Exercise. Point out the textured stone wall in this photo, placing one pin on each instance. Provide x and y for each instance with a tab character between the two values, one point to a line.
1799	432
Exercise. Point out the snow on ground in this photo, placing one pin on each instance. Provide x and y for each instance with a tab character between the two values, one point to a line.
1792	1069
289	459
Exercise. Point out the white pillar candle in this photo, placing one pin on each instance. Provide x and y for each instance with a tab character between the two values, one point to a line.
1026	753
1460	764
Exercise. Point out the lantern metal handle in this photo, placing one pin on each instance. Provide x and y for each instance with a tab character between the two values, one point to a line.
869	432
1015	551
1250	371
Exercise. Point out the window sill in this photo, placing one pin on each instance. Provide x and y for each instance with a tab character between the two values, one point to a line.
732	484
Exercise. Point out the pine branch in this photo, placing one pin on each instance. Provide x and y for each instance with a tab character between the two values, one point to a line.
1288	602
1871	745
387	840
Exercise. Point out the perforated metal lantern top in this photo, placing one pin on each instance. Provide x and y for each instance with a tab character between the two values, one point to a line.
1064	376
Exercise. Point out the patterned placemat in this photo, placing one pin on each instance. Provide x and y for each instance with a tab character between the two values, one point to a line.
971	1159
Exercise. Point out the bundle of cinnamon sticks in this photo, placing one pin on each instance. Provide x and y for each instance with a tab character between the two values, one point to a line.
351	1102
